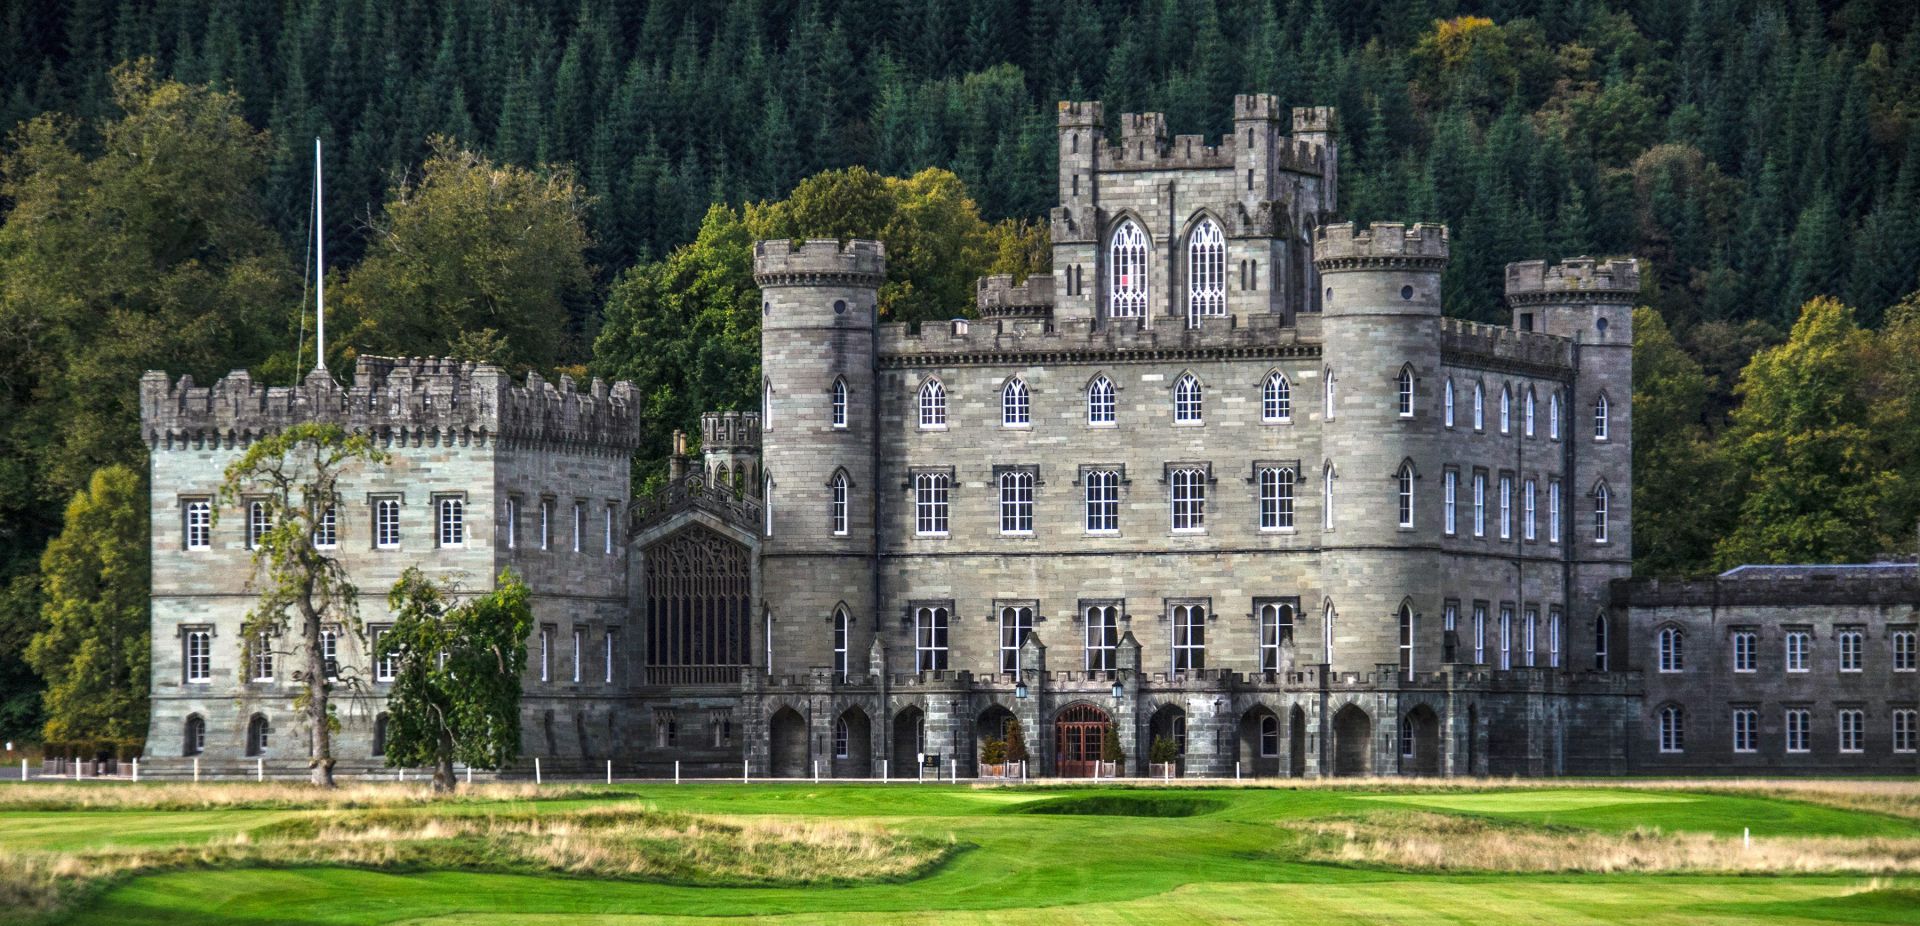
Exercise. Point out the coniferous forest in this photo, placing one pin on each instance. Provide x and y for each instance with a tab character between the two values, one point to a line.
572	185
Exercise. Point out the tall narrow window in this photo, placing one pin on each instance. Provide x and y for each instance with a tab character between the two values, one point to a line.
837	503
1404	384
1746	651
1100	402
546	654
607	530
1671	649
1189	637
258	522
1555	626
1479	504
1903	650
384	665
1103	636
1187	400
579	524
1851	644
1672	729
199	655
1506	507
1127	269
1506	409
1016	503
259	735
1600	513
1102	489
330	653
1015	623
841	627
1276	398
1600	424
453	522
1406	494
1506	637
196	736
607	657
766	404
1015	411
1799	726
1906	724
1450	482
199	524
1331	394
1553	414
263	658
1276	498
1853	730
1479	634
326	529
930	503
579	649
1527	499
1446	403
1326	632
511	512
1531	628
1553	511
1276	627
933	404
930	639
1797	647
839	402
386	524
1327	475
1746	730
1601	648
841	736
1479	406
1526	413
1406	643
546	524
1188	495
1206	273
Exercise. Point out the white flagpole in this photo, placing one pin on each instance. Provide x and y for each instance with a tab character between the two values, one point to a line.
319	264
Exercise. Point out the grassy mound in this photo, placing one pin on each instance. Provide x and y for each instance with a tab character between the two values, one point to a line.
1123	805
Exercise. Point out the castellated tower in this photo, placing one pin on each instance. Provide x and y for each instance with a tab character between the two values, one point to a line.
730	450
1590	302
817	433
1381	321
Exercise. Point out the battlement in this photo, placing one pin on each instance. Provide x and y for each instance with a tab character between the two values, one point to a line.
1144	144
1314	119
730	431
1082	115
997	297
1143	127
818	262
1468	343
1256	106
1381	246
983	340
410	400
1577	279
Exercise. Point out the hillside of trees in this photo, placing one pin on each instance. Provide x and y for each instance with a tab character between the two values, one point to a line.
1761	156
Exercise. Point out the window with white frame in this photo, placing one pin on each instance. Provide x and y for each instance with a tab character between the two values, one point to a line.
1189	637
1746	651
1329	392
579	651
453	522
607	657
262	652
1600	505
1528	491
1506	409
198	646
1450	503
1852	643
840	737
1905	720
1101	407
1506	507
386	524
1530	637
1799	729
842	628
1799	643
1671	646
199	524
1326	631
1404	479
1450	631
579	524
837	503
510	512
1904	650
326	530
933	404
607	530
1188	400
1506	637
1600	423
839	402
384	665
1479	633
258	523
1102	637
766	404
1404	386
1016	622
1602	648
1269	736
1276	498
1276	627
1672	729
1206	273
259	735
1556	625
1746	730
1327	475
546	654
330	653
1127	272
1188	498
1853	730
546	524
1016	410
1479	406
1479	504
1101	489
930	503
1446	403
1553	511
1276	398
1016	502
929	639
1406	642
1526	412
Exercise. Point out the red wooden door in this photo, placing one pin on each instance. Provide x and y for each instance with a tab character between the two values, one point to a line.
1077	735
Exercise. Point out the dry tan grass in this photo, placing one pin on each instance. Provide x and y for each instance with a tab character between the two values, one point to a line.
266	795
1439	842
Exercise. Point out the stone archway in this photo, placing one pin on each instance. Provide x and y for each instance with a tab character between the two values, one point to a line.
1420	741
1261	746
992	724
1169	723
909	741
852	744
1352	742
787	734
1079	732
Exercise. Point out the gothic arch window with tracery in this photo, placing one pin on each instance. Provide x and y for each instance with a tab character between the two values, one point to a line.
1206	272
698	595
1127	272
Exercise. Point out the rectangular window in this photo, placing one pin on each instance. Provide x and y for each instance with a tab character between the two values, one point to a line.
512	511
326	532
1016	502
1746	730
383	663
1904	722
1189	637
608	655
579	650
1189	499
199	655
930	504
263	659
546	524
1746	651
1506	507
1103	635
666	729
546	654
1527	493
1553	511
837	505
1479	633
842	628
453	522
1852	642
1451	514
1276	498
1532	631
1016	621
1479	504
1276	627
930	639
1853	731
258	522
1903	650
330	653
1450	625
1556	626
1797	646
1799	726
608	530
1506	637
386	524
199	524
1102	489
579	524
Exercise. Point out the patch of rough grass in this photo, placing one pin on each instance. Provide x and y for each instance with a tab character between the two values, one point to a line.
1442	842
1122	805
65	796
632	842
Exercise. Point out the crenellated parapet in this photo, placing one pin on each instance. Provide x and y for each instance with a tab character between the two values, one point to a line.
730	431
1575	280
408	401
998	296
1496	347
819	262
992	341
1381	246
1145	145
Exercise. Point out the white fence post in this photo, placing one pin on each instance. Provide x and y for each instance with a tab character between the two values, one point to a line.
399	774
883	771
76	770
676	771
260	769
469	774
609	771
746	770
23	769
136	769
1236	770
536	770
816	771
953	770
196	769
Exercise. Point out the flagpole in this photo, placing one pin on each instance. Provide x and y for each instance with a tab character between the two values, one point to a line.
319	264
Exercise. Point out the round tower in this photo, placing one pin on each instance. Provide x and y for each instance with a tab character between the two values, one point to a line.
1380	296
817	428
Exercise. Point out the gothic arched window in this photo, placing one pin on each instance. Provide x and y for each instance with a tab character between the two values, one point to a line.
1206	272
839	402
1276	398
1100	401
1015	410
933	404
1127	272
1187	399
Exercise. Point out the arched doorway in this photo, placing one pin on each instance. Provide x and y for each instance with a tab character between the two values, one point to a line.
1352	742
1169	723
852	745
1259	743
788	742
909	741
1297	742
1420	741
992	725
1078	733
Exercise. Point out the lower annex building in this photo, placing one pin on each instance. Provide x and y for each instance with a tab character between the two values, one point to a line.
1226	476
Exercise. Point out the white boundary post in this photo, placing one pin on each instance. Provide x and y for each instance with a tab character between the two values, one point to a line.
76	770
746	770
196	769
953	769
469	774
676	771
609	771
883	771
260	769
400	774
136	769
536	770
23	768
1236	770
816	771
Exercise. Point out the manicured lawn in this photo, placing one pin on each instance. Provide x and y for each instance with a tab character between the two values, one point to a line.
1232	860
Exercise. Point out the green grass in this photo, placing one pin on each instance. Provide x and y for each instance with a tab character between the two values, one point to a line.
1104	855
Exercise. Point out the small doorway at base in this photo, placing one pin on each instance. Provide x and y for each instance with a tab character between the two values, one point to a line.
1297	742
1420	741
1078	734
909	741
853	745
1258	744
1352	742
788	752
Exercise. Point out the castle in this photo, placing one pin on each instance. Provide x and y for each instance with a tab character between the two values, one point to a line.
1225	478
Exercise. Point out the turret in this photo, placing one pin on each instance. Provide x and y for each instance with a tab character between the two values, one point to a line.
1315	126
818	305
730	450
1075	222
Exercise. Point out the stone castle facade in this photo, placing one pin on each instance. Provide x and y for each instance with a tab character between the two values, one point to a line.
1225	477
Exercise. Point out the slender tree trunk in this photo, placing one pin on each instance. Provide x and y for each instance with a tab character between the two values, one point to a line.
322	762
443	780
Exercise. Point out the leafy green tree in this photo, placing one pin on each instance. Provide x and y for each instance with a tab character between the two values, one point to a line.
1676	466
458	665
296	474
473	247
